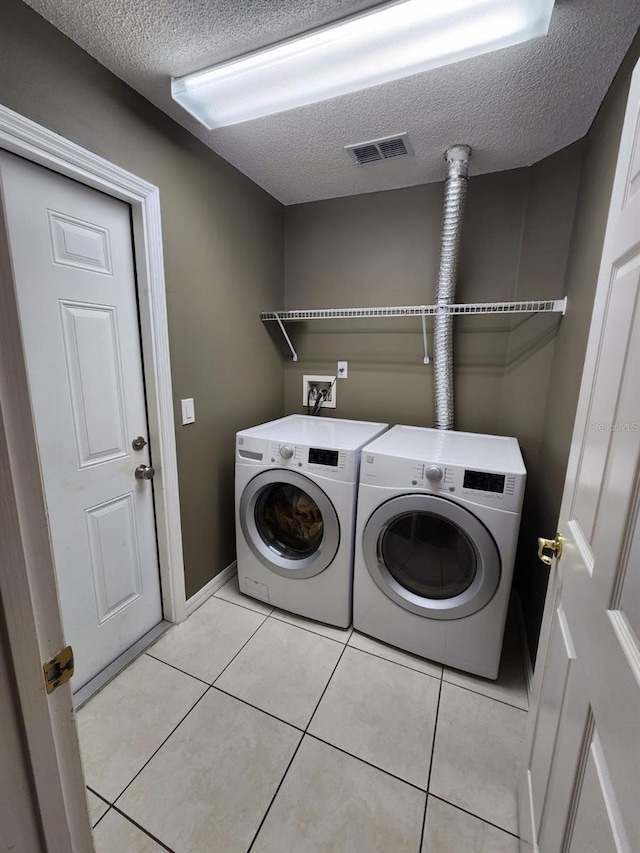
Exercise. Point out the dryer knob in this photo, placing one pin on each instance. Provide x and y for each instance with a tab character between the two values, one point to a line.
286	451
434	474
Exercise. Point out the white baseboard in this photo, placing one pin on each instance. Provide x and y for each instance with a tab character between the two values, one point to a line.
210	588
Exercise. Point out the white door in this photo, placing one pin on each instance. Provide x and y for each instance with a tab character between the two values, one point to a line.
72	258
581	788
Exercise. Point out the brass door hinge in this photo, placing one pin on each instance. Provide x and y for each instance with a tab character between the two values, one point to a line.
553	545
58	670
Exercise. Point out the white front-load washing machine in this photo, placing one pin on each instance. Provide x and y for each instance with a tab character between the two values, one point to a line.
436	535
296	487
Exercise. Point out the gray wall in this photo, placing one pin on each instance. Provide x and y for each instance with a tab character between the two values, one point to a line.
600	155
223	260
382	249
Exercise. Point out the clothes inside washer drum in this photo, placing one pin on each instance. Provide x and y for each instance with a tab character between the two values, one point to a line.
293	519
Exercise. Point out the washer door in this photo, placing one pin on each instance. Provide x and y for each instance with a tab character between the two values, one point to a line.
289	523
431	556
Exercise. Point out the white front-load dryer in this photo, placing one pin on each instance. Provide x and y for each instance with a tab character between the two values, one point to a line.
436	535
296	487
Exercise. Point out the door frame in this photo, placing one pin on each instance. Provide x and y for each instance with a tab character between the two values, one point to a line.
28	592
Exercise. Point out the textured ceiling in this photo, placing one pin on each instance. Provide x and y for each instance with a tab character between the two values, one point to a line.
513	107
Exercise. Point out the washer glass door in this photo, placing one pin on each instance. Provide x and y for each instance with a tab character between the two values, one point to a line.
431	556
289	523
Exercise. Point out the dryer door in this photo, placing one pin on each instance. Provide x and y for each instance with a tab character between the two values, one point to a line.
431	556
289	523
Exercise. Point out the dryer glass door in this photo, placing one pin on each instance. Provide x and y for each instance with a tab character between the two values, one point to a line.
289	523
431	556
428	555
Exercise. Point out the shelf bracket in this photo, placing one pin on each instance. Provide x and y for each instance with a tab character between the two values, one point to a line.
294	354
426	358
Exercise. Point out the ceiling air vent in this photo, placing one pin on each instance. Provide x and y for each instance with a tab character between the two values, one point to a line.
380	149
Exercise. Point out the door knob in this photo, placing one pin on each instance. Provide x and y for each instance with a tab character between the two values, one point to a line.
145	472
553	545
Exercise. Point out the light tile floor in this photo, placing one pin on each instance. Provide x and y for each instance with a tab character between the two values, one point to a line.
248	729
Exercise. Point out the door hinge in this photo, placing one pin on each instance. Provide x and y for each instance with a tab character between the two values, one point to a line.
59	669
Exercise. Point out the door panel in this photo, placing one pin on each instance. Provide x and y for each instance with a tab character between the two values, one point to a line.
94	373
592	777
115	555
596	828
560	658
72	258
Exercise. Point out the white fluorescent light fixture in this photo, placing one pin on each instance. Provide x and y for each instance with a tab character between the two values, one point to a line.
390	41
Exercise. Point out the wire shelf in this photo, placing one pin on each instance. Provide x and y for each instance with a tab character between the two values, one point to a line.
557	306
539	306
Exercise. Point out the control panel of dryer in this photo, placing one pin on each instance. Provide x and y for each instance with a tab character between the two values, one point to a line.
491	488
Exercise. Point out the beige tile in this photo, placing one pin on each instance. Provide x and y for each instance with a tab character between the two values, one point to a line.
282	670
115	834
478	755
125	723
97	807
208	640
374	647
449	830
231	592
382	713
330	802
211	783
333	633
510	685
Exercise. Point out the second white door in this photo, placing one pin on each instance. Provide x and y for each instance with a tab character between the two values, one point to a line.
72	258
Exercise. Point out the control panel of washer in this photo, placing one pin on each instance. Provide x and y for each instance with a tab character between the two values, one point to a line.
491	488
335	463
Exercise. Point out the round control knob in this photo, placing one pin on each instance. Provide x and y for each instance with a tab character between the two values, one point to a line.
286	451
434	474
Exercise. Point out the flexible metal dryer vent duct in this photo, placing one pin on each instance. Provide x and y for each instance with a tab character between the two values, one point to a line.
455	193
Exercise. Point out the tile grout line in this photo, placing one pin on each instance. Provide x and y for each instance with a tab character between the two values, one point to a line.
433	750
257	708
304	733
142	829
237	604
102	816
209	687
177	669
241	649
472	814
202	680
311	631
151	757
484	696
326	687
397	663
276	792
367	763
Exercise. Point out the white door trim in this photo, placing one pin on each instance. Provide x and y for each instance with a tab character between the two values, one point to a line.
27	573
24	137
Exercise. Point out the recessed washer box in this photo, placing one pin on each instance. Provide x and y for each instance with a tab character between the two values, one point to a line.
321	383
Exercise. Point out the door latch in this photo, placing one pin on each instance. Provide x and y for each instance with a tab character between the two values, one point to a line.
58	670
553	545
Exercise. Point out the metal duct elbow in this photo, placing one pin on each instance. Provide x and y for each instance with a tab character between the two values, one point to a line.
455	193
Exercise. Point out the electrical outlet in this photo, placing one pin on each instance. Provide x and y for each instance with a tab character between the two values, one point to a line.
314	385
343	369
